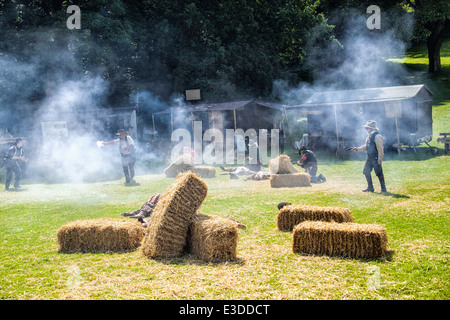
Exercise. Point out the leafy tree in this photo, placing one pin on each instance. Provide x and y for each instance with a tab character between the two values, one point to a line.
432	22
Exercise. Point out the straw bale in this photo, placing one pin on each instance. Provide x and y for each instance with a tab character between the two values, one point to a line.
281	165
293	180
100	235
291	215
340	239
204	171
167	229
212	238
181	164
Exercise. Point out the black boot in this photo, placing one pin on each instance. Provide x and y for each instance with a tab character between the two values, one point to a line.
382	183
369	184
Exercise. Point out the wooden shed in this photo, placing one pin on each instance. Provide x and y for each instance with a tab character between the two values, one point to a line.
403	115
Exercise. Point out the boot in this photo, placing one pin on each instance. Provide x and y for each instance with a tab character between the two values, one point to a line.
127	175
369	184
382	183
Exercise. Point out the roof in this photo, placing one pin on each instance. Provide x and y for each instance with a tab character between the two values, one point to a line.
220	106
366	95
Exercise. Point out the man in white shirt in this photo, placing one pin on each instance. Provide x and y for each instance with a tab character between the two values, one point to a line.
127	153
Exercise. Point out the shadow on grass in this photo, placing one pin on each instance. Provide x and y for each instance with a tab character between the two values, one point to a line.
394	195
389	255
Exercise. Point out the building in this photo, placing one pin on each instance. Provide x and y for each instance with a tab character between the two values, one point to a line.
334	118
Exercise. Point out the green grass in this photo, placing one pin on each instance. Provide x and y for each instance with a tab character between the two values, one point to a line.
415	214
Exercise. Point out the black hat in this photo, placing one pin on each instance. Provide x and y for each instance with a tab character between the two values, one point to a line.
302	148
18	140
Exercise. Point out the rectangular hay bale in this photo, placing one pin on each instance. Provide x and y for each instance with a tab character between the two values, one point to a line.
282	165
181	164
291	215
293	180
340	239
167	229
100	235
212	238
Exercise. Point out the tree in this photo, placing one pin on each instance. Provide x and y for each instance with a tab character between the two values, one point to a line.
432	18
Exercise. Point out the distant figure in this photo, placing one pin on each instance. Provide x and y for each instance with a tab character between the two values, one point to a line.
308	161
127	153
375	155
14	163
281	134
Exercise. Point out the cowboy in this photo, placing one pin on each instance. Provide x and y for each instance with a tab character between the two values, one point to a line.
127	153
308	161
14	162
375	155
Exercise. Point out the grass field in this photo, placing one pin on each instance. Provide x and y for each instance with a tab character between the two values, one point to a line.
415	213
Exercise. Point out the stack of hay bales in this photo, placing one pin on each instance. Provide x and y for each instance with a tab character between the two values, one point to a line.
284	175
291	215
330	231
184	163
167	229
174	226
100	235
212	238
340	239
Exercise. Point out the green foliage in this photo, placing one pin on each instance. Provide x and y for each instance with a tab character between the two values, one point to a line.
227	48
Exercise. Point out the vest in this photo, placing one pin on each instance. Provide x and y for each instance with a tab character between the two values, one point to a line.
371	146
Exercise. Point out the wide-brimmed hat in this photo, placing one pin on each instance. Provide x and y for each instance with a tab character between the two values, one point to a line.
121	131
372	124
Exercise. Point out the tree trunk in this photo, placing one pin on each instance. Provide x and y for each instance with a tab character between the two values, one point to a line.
434	44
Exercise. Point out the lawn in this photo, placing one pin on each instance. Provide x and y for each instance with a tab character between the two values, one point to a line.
415	213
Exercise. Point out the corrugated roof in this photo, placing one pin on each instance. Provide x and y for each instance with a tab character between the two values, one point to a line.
369	94
220	106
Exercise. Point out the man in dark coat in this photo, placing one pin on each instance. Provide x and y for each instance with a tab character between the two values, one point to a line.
308	161
14	163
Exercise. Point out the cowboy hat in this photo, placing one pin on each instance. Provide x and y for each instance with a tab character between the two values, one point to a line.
121	131
371	124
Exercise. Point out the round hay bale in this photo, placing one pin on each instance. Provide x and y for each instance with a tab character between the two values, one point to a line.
213	238
100	235
293	180
340	239
291	215
167	229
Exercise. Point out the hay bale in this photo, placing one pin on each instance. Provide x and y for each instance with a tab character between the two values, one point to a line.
167	229
282	165
299	179
291	215
100	235
213	238
181	164
204	171
340	239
